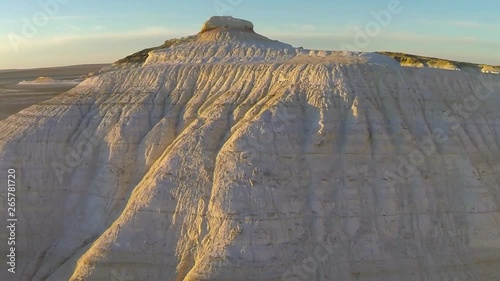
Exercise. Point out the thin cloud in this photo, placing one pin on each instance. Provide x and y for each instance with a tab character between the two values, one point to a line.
83	47
159	33
51	18
461	23
417	37
73	27
300	27
73	17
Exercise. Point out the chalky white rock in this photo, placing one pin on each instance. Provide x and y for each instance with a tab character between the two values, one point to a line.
230	156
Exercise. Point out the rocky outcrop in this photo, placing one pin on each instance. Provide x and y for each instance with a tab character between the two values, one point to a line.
408	60
219	22
313	165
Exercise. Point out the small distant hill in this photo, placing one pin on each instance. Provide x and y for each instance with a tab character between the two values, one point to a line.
66	71
410	60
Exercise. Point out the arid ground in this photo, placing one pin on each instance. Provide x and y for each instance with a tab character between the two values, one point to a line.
14	97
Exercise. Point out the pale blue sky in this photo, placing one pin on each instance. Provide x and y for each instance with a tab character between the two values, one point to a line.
101	31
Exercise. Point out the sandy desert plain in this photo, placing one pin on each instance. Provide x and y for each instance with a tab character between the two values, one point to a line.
14	97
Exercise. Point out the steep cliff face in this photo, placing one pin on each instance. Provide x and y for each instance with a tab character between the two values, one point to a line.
234	157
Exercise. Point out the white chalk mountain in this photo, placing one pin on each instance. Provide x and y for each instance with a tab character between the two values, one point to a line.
229	156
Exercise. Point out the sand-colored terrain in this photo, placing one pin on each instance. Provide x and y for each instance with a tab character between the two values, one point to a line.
15	97
408	60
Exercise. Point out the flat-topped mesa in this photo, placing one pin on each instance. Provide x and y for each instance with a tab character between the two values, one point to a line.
231	40
228	29
225	22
